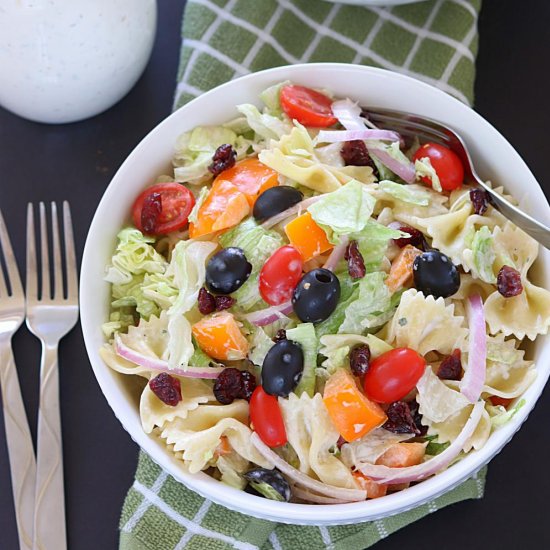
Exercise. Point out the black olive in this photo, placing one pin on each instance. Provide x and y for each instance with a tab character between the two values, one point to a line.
434	273
269	483
282	368
227	270
316	295
276	200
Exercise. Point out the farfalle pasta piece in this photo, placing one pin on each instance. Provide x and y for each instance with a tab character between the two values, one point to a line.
198	435
119	364
425	324
155	413
311	434
527	314
149	338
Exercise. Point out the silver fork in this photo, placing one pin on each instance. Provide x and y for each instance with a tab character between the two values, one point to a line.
50	316
426	129
18	435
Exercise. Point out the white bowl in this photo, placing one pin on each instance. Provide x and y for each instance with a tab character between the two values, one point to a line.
494	158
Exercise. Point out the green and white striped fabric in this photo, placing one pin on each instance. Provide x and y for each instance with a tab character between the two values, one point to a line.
435	41
161	514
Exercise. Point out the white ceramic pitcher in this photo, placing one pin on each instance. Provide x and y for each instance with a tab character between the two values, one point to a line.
66	60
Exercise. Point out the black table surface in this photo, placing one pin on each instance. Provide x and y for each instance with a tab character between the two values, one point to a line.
77	161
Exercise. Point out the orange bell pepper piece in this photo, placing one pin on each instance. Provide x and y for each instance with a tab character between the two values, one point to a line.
374	490
251	178
219	336
401	455
351	411
307	236
401	270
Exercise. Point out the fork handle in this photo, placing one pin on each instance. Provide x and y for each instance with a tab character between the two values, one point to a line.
20	448
49	512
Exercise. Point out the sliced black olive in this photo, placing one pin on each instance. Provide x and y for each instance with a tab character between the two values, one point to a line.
282	368
227	271
269	483
275	200
434	273
316	295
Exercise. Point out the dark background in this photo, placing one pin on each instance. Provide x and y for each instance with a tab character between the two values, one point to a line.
76	162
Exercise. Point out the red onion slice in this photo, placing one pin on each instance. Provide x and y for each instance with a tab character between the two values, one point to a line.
471	384
333	136
323	489
348	114
337	253
269	315
317	499
394	476
296	209
405	171
155	364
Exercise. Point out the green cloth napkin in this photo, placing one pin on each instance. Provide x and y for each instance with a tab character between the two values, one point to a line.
435	41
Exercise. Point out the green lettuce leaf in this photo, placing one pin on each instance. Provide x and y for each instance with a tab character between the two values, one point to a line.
132	295
260	344
258	244
424	168
304	334
199	201
344	211
434	448
265	125
404	193
119	321
484	255
272	98
500	416
373	301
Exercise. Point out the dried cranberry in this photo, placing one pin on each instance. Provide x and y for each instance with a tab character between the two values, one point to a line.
223	158
417	417
248	385
400	419
207	302
359	359
354	153
224	302
416	238
281	335
451	367
356	264
234	384
509	281
228	386
480	200
150	212
166	388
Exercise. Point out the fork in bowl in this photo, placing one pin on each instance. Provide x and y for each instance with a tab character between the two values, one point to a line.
426	129
50	316
18	435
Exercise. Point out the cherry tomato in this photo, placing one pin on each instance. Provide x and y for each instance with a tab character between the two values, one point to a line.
307	106
280	275
267	419
495	400
392	375
176	203
445	162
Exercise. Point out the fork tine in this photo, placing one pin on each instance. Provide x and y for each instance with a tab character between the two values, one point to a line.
410	126
46	293
70	255
31	282
57	267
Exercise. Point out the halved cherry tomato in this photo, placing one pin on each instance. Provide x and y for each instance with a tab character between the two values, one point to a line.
307	106
495	400
267	419
280	275
392	375
445	162
251	178
176	205
224	207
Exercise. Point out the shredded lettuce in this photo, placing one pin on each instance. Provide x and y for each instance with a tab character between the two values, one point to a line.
265	125
484	255
258	244
374	299
344	211
424	168
500	416
434	448
260	344
132	295
404	193
272	98
200	200
304	334
119	321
